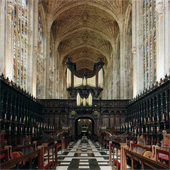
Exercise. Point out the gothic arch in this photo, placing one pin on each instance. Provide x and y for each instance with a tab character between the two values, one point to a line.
43	18
127	16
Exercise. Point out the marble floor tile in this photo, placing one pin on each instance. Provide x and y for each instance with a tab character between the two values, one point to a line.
83	167
105	168
84	163
62	168
84	155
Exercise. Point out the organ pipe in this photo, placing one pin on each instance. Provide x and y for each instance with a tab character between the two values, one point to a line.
100	78
84	81
84	101
78	81
90	99
91	81
68	78
78	100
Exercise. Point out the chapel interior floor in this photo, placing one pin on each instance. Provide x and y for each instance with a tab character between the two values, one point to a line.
84	155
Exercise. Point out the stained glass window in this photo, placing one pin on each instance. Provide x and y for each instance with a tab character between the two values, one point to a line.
149	42
20	42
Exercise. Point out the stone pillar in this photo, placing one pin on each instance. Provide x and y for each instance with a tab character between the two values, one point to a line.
49	23
140	46
160	28
56	79
9	40
122	62
137	46
163	38
167	36
116	76
32	49
54	72
110	83
2	35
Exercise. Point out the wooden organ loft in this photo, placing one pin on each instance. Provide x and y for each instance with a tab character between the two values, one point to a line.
138	130
87	87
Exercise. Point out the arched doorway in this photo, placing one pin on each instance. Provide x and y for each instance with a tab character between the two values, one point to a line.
84	126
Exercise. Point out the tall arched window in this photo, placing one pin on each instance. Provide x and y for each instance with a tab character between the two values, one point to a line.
20	42
40	59
149	42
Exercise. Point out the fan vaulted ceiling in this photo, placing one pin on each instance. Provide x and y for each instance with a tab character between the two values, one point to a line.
85	30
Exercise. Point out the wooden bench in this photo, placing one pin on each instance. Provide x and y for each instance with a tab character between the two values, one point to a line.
119	149
144	161
17	161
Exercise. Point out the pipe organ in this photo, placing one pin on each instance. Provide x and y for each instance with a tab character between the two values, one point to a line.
78	81
92	81
84	87
100	77
68	78
84	101
84	81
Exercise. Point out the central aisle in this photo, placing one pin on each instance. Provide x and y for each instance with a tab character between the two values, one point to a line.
84	155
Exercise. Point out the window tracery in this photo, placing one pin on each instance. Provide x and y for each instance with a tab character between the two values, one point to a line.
149	42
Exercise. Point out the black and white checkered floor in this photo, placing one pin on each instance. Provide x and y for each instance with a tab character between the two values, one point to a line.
84	155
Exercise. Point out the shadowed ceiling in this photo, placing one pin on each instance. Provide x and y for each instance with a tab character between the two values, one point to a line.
85	30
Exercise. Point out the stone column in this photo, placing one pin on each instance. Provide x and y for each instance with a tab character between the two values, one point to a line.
49	23
32	48
160	40
122	62
109	83
9	40
116	76
134	47
2	35
137	46
167	37
106	86
56	72
140	46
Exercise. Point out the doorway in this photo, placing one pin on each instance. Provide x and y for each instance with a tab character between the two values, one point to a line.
84	127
